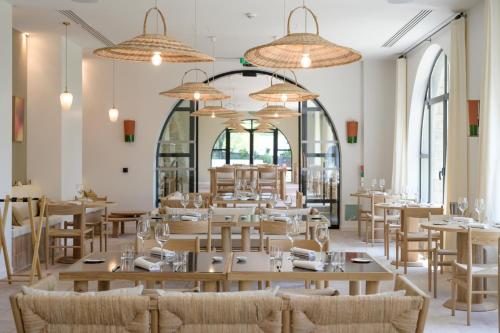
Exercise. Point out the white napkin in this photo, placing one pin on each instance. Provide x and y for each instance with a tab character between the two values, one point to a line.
311	265
303	252
189	218
463	219
280	218
175	196
157	252
142	262
477	225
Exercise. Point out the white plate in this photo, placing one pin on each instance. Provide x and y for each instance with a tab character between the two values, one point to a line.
241	259
217	259
361	260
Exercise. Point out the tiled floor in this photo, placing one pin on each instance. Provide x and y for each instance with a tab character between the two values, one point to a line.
439	319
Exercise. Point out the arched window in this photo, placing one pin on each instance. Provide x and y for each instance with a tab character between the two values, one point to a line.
433	133
252	147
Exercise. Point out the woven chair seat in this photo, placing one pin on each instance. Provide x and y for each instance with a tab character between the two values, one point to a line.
480	270
419	235
63	233
446	252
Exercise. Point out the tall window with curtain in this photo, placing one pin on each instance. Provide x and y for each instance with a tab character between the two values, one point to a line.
434	133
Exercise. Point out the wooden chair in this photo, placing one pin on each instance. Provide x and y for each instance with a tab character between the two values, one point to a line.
267	179
435	255
177	245
464	273
276	228
193	228
372	218
225	179
77	235
405	236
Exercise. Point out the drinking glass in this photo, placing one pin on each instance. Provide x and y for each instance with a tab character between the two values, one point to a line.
462	205
292	229
338	260
179	262
381	184
274	199
288	202
198	201
162	234
185	200
374	184
253	185
127	257
479	208
322	236
143	231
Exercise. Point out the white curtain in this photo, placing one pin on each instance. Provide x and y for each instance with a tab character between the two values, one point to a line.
457	150
489	121
400	133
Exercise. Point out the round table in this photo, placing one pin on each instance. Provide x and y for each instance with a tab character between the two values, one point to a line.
478	302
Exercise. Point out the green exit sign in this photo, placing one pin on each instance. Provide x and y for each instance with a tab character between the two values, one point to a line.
245	63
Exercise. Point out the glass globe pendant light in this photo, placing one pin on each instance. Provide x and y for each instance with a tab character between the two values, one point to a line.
66	98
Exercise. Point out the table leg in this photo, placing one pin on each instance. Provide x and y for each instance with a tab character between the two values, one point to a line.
245	239
226	285
354	287
283	184
122	225
103	285
359	217
81	286
245	285
372	287
209	286
226	239
78	253
116	226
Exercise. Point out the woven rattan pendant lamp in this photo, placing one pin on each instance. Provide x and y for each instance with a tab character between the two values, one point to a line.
213	111
153	47
235	125
264	126
195	90
283	92
301	50
276	112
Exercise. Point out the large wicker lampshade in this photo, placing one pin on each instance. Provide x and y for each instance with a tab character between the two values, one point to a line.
235	125
213	111
283	92
264	126
195	90
276	112
301	50
153	47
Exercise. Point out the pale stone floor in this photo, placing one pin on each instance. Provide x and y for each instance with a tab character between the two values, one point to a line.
439	319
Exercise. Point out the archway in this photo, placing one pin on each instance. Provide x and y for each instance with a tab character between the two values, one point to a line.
315	145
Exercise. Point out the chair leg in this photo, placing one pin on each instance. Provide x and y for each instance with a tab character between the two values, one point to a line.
429	268
385	241
453	297
397	251
469	301
405	256
435	275
46	245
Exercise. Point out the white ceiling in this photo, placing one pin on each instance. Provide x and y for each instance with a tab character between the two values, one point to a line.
361	24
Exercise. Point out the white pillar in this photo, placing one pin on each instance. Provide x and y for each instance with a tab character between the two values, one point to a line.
5	113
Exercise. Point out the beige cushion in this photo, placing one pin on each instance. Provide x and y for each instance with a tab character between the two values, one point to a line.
220	313
375	313
309	292
136	291
21	212
84	313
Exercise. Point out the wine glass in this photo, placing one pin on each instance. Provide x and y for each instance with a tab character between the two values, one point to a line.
185	200
253	185
322	236
162	234
479	208
143	231
198	201
292	229
374	184
462	205
274	199
381	184
288	202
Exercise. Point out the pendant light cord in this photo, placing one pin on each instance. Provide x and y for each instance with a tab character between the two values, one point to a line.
66	57
213	55
305	15
196	32
113	85
156	6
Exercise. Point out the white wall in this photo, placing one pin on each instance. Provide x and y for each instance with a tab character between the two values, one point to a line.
5	116
105	152
54	138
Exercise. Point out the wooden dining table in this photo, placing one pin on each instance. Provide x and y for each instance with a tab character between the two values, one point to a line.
479	303
199	267
118	218
258	267
233	201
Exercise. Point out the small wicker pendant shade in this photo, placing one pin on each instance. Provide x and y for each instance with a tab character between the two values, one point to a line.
235	125
213	111
143	47
276	112
283	92
264	126
195	90
290	50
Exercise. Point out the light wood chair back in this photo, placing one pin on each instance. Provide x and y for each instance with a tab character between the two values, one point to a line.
286	244
193	228
225	173
176	203
189	245
62	209
412	215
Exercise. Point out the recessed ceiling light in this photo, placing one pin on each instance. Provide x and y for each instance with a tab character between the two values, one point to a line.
86	1
399	1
